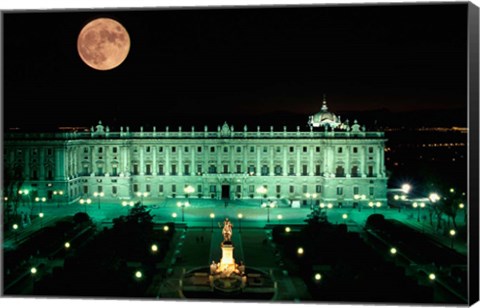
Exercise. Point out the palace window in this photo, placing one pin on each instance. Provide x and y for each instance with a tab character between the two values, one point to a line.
291	170
160	149
251	169
160	188
370	190
160	169
185	149
339	190
278	149
114	149
340	172
213	188
317	170
174	188
199	189
355	171
304	149
225	149
355	150
199	168
239	168
114	190
292	149
265	149
355	190
370	149
304	170
317	149
212	149
174	149
265	170
318	189
304	189
239	149
291	189
370	171
135	188
148	169
147	149
186	170
278	170
225	168
85	150
278	189
199	149
147	188
251	188
252	149
340	150
212	169
135	169
174	169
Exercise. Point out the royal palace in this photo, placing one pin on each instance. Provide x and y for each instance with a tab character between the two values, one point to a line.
334	162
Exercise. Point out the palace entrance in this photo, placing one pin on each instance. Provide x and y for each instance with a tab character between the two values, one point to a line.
226	192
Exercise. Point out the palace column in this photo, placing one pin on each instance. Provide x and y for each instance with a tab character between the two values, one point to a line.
310	172
154	160
141	169
272	150
347	161
297	150
180	161
258	159
124	159
285	171
166	168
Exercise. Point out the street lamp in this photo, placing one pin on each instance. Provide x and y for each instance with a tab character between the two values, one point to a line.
374	205
15	228
393	251
288	229
85	202
174	216
212	216
67	245
360	198
58	193
188	190
300	251
23	192
41	201
344	216
141	195
406	188
268	205
41	219
183	205
240	216
279	216
128	203
452	235
263	192
98	195
138	274
434	197
318	277
154	248
311	197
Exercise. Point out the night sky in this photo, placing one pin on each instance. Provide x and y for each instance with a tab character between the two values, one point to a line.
205	64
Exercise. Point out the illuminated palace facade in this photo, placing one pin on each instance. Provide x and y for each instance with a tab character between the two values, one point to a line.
334	162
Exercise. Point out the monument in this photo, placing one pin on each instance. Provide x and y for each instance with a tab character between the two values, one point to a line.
227	276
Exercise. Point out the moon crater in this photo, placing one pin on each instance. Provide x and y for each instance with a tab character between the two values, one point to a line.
103	44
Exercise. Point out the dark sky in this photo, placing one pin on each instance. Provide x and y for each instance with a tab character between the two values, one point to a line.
220	63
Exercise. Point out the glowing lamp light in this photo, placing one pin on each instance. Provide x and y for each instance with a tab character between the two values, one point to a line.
344	216
138	274
329	205
415	204
15	227
212	216
154	248
33	270
406	188
287	229
422	204
318	276
240	216
280	216
40	215
461	205
434	197
67	245
432	276
396	197
322	205
393	250
378	204
452	232
166	228
174	215
300	251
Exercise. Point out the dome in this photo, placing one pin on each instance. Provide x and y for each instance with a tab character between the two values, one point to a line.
324	118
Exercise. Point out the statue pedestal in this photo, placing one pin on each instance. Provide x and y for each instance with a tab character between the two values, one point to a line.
227	262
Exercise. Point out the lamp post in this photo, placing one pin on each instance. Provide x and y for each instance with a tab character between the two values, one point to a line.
268	205
15	228
126	204
452	235
25	192
360	198
262	191
98	195
188	190
41	201
212	216
311	197
141	196
41	219
85	202
58	193
374	205
240	216
183	205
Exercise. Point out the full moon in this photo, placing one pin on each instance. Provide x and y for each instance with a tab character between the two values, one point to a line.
103	44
